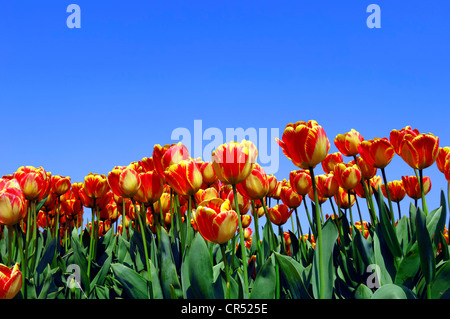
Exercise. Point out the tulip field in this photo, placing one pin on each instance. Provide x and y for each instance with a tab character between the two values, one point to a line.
170	226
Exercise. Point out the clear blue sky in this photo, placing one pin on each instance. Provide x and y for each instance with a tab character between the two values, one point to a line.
82	100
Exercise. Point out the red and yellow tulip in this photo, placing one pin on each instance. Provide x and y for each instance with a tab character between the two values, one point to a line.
216	221
304	143
419	151
13	206
10	281
256	185
348	143
377	152
234	161
184	177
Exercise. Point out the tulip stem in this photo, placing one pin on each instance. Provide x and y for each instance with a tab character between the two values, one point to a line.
399	210
227	270
319	238
144	241
189	220
123	218
307	214
350	207
242	241
368	195
422	192
91	242
391	211
360	216
258	245
22	259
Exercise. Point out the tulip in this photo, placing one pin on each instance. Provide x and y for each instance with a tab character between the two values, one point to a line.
184	177
289	197
300	180
60	185
396	191
412	186
96	185
331	160
205	194
304	143
164	156
367	171
443	155
243	203
151	188
345	199
327	185
233	161
13	206
208	174
246	220
396	137
147	164
272	183
365	227
377	152
10	281
33	181
256	185
419	151
447	171
279	214
348	143
124	181
347	175
216	221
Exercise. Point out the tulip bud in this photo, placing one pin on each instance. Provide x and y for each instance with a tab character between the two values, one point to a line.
60	185
300	181
347	175
377	152
279	214
348	143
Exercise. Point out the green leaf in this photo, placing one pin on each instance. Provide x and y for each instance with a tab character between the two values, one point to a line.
47	281
426	253
363	292
265	281
100	277
200	269
291	270
408	267
47	257
169	276
441	283
392	291
387	229
383	258
329	237
81	261
134	285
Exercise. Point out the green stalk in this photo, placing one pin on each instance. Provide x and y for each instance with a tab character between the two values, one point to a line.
422	191
144	241
10	243
319	238
242	241
272	234
123	218
260	253
307	214
180	221
22	259
227	270
369	199
388	196
189	219
399	210
91	242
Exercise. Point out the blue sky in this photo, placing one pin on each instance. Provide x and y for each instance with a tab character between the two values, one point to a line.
82	100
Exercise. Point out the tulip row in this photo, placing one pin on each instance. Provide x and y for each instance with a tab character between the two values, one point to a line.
170	226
